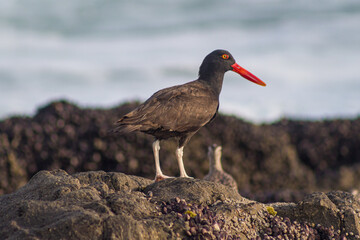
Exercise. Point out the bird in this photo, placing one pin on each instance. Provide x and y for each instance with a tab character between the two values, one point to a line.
216	172
180	111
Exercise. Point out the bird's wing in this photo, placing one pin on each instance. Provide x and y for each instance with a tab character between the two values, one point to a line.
180	108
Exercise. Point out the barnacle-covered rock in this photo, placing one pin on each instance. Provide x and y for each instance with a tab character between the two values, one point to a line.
108	205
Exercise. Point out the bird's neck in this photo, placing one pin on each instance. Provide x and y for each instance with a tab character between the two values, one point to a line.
215	80
215	164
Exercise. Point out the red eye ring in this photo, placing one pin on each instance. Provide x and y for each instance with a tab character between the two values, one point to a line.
225	56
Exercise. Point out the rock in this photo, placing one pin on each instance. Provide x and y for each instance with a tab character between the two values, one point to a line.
93	205
101	205
338	210
192	190
316	207
12	173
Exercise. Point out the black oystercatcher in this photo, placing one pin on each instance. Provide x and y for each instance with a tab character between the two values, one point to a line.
180	111
216	172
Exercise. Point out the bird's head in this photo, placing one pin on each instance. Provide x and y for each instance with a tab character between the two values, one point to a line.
214	151
221	61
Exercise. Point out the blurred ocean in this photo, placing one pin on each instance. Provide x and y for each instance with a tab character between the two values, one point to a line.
99	53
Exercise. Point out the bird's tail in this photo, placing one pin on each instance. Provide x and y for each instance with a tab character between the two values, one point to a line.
126	124
124	128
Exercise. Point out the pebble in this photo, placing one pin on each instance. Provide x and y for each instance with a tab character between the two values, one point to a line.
150	194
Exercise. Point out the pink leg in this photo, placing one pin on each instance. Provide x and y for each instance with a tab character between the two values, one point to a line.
159	175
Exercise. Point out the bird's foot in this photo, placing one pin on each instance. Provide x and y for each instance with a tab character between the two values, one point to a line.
186	176
161	177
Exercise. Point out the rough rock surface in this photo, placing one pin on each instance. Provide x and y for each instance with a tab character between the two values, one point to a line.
270	162
100	205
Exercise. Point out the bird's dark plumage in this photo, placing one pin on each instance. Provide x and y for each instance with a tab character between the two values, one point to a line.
177	111
180	111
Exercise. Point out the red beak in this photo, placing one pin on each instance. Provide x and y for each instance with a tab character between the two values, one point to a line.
246	74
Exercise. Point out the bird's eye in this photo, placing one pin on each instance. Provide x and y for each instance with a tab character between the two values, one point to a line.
225	56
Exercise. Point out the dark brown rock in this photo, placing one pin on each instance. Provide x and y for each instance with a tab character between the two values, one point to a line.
55	205
192	190
100	205
315	208
337	209
12	173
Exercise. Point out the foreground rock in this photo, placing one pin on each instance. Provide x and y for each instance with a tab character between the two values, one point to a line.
100	205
